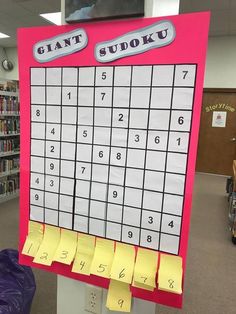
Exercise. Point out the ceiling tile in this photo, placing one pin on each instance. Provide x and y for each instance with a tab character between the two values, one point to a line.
32	20
36	6
12	8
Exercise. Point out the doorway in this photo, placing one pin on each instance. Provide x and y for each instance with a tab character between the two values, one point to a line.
217	137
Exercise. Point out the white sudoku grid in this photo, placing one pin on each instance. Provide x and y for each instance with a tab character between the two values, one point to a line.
109	148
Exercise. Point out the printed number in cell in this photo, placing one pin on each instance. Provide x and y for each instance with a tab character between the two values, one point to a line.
130	234
171	224
180	121
104	76
103	96
53	132
85	134
69	96
151	220
52	184
52	166
52	149
185	75
149	239
118	156
115	194
37	181
157	140
38	113
137	138
36	197
101	154
178	142
120	118
83	170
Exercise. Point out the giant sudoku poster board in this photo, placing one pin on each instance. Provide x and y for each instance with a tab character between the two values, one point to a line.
109	131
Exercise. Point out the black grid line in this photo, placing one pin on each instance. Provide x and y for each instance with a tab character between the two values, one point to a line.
59	185
75	164
109	158
145	157
126	157
45	143
108	164
91	177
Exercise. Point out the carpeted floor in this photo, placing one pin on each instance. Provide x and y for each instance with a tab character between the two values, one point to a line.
211	268
46	295
211	265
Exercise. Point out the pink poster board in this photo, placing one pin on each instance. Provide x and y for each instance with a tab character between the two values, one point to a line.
170	53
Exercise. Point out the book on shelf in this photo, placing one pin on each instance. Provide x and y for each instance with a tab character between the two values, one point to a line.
9	105
9	126
9	186
9	145
8	165
9	85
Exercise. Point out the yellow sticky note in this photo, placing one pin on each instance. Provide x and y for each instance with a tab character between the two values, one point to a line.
170	274
84	254
119	296
66	249
34	239
142	286
145	268
123	263
48	246
103	257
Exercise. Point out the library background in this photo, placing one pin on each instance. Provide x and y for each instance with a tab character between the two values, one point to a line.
194	276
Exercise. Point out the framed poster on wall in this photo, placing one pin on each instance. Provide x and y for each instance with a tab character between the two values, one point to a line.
82	10
110	123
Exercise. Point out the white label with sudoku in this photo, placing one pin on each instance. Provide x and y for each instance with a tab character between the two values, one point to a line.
109	150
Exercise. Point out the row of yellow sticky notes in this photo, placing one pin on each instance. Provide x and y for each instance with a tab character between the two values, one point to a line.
103	258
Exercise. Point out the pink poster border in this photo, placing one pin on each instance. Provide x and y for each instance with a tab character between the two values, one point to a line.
189	46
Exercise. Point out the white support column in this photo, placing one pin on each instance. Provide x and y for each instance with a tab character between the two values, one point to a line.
71	293
161	7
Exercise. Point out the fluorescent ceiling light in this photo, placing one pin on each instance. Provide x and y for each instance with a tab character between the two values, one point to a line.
2	35
54	18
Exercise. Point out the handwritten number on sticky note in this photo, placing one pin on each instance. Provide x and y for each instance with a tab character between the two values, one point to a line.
30	247
44	256
82	264
101	268
120	302
64	254
122	273
144	278
171	283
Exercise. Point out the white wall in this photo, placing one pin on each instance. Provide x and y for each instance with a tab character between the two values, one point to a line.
221	62
220	69
12	56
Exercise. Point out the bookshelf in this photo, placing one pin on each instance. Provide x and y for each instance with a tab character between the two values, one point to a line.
9	140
